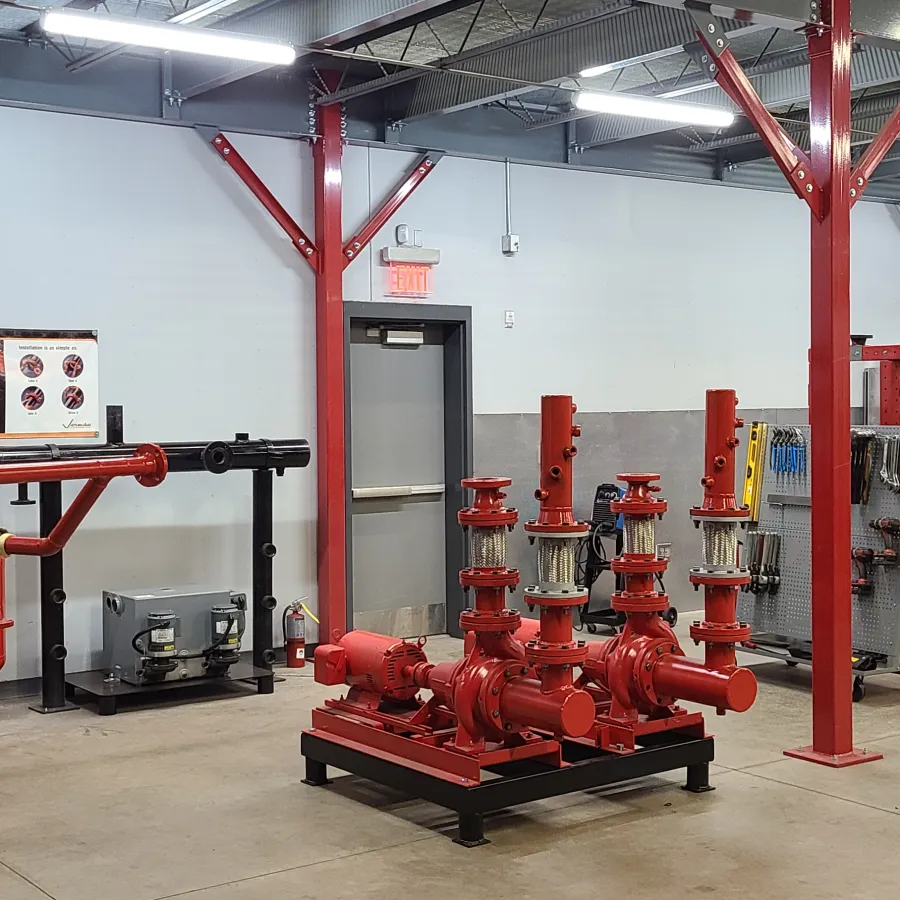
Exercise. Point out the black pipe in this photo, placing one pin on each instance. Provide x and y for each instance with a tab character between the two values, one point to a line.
115	425
263	600
197	456
53	637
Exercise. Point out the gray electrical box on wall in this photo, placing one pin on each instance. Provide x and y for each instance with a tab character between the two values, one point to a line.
509	243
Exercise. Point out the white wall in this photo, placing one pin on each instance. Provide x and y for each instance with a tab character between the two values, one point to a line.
206	325
631	293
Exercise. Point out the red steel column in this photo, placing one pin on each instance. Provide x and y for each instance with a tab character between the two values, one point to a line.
829	393
332	531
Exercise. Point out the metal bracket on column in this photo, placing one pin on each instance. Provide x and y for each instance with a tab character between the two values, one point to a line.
875	153
301	242
422	169
729	75
702	58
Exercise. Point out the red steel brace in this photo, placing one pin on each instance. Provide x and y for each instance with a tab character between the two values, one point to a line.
873	156
420	171
242	169
728	74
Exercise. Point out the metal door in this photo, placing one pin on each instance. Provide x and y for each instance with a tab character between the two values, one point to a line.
398	489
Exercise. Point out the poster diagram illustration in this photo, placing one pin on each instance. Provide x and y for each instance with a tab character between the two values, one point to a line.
49	384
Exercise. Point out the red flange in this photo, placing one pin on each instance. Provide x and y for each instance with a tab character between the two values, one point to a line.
487	509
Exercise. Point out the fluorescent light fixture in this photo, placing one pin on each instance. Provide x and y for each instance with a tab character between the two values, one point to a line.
166	36
622	104
594	71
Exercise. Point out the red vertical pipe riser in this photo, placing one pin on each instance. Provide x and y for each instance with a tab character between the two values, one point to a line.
829	381
720	603
5	623
557	452
332	526
556	652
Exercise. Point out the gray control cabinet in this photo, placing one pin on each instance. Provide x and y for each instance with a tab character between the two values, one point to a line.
194	630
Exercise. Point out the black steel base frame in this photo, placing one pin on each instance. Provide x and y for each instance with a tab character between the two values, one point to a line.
107	694
520	782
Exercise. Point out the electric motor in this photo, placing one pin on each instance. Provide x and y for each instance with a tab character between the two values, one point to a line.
161	637
380	664
228	623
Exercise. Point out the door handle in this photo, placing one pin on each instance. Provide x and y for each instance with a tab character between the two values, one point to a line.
398	490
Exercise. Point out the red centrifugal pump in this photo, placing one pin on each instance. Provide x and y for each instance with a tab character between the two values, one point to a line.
516	704
642	671
489	706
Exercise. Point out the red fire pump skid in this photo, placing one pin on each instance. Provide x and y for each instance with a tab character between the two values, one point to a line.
515	706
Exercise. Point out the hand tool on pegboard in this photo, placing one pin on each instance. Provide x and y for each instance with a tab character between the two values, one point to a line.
890	462
862	456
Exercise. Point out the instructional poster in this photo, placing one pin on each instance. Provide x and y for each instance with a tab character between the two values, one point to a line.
49	386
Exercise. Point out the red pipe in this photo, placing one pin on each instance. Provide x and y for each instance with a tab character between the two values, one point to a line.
148	465
569	712
4	622
65	528
688	679
555	653
557	453
720	630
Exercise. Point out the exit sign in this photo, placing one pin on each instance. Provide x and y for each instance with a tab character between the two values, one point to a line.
409	279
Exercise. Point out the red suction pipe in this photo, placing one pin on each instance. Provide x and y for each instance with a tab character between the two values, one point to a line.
148	465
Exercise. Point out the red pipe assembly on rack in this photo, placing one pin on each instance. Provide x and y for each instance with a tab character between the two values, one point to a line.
517	697
148	465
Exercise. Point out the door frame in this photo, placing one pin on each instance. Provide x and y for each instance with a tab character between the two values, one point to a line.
458	454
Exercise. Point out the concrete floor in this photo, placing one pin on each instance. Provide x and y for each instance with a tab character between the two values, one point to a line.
205	801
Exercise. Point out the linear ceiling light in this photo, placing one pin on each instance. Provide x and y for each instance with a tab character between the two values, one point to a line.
622	104
166	36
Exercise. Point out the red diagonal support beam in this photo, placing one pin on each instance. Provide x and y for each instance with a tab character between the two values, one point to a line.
241	168
728	74
873	156
422	169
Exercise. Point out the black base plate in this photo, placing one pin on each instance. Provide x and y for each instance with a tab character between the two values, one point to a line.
50	710
520	782
107	694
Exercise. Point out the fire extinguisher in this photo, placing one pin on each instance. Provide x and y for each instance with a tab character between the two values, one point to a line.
294	627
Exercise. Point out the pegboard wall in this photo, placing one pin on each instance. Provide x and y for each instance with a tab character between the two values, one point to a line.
876	618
